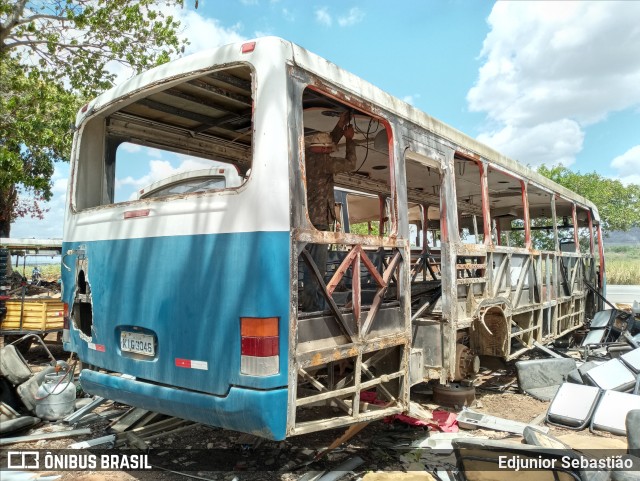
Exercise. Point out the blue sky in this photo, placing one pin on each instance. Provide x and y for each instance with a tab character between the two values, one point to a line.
543	82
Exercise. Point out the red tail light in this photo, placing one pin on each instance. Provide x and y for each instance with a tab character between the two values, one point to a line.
259	346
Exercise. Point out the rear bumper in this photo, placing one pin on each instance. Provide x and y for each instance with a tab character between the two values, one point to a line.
263	413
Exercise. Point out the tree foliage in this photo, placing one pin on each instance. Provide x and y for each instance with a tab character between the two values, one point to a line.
618	204
55	54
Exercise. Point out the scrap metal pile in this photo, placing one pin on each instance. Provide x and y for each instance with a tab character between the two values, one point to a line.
591	388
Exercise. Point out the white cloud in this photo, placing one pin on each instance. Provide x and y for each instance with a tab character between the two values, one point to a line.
411	99
249	2
551	68
550	143
323	16
627	166
205	33
288	15
355	15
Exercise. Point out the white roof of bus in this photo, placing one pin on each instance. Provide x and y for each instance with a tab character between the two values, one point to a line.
203	61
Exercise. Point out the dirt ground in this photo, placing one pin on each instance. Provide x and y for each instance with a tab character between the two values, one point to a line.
372	444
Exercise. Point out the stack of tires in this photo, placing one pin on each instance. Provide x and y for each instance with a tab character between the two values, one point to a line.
4	282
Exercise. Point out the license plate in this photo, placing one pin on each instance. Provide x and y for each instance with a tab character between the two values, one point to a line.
137	343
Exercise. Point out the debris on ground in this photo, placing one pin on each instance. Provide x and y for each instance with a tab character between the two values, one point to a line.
558	400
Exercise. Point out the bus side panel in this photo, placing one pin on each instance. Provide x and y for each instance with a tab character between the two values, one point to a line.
190	293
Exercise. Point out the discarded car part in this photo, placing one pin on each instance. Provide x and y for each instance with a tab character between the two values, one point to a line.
546	441
56	396
632	360
38	339
469	419
577	376
475	458
632	424
7	412
343	469
594	336
549	351
467	363
612	410
573	406
442	441
602	319
541	378
533	435
13	366
617	350
76	416
110	439
632	340
17	424
37	437
612	375
27	391
454	394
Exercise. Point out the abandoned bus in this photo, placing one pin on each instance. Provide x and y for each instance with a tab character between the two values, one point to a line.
186	299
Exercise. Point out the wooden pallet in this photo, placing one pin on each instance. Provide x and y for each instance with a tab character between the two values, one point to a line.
37	315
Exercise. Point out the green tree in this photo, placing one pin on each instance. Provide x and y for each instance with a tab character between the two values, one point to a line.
618	204
55	54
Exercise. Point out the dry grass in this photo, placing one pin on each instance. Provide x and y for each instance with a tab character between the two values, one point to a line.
623	265
49	272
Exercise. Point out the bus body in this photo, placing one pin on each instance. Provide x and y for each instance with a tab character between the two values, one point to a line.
187	302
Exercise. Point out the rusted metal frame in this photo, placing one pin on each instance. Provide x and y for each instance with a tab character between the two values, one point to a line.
390	396
357	380
298	217
450	242
372	361
500	276
175	92
592	247
231	80
144	131
484	190
537	274
523	274
563	272
356	298
304	401
377	301
467	267
470	280
428	305
382	207
574	218
314	236
324	356
323	389
205	120
372	269
342	269
311	426
574	274
342	324
527	217
315	83
220	92
426	250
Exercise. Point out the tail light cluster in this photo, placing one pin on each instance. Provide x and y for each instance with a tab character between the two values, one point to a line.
259	341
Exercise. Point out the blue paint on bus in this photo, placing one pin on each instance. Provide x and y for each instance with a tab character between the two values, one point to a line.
263	413
189	292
